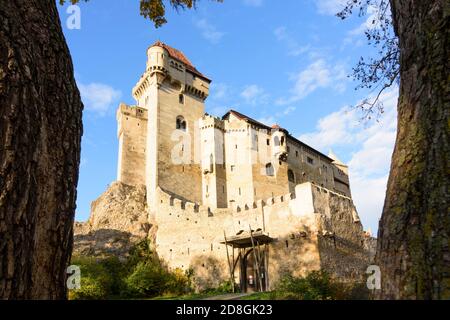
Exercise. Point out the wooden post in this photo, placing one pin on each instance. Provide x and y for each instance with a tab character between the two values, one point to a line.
229	263
242	277
255	255
266	265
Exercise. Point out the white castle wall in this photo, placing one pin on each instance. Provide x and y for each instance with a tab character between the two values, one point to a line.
189	234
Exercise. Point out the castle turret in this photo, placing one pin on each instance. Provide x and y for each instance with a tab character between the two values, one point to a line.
172	91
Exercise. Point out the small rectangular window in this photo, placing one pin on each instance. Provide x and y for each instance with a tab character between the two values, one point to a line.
232	168
181	98
310	160
296	154
239	191
268	142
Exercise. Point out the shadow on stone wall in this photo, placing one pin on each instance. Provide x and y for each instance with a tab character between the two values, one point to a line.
209	272
342	258
295	254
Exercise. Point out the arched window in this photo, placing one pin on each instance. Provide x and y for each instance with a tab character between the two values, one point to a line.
291	176
269	169
181	123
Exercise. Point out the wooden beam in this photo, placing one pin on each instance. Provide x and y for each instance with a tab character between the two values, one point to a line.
229	263
258	271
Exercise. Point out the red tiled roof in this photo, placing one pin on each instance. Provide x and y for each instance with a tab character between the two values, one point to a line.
180	56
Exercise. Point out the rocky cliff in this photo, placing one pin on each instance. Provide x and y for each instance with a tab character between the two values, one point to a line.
118	220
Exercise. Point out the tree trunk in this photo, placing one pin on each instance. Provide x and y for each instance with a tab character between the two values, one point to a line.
40	133
413	246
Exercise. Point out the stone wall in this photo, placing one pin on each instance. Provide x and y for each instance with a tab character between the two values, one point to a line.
132	135
315	229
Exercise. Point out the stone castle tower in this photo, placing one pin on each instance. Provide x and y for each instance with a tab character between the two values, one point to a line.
215	184
170	96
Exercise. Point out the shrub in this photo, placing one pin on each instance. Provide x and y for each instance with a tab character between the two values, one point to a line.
223	288
100	277
148	280
317	285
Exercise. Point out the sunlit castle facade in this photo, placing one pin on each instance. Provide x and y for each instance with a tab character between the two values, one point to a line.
206	175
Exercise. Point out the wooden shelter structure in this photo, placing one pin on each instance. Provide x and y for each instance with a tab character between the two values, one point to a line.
249	251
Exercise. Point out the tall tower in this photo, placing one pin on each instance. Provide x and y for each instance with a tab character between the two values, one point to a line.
173	92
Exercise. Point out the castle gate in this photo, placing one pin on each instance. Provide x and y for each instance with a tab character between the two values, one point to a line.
249	251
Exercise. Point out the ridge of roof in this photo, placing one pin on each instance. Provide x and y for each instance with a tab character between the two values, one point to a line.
180	56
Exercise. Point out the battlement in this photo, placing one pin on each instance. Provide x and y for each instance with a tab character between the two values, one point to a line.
166	200
269	202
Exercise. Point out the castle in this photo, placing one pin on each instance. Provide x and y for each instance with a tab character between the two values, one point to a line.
230	197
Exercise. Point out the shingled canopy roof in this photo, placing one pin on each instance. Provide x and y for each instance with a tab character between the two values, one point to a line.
180	56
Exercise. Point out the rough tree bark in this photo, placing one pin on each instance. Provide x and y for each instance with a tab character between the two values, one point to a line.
40	133
413	247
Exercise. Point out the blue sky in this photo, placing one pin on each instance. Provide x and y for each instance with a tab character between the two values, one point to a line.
279	63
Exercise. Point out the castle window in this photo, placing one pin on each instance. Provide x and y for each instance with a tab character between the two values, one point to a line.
240	191
211	163
276	141
291	176
282	141
232	168
296	153
268	142
310	160
181	98
269	169
181	123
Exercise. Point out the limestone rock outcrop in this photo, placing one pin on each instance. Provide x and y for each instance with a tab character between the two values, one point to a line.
117	221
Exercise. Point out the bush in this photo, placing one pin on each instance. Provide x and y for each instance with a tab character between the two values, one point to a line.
222	288
318	285
100	278
142	275
148	280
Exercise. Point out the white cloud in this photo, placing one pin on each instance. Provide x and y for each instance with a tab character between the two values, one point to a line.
288	110
209	31
253	3
330	7
83	161
336	129
219	90
355	36
254	94
218	111
370	147
295	49
317	75
268	120
98	97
